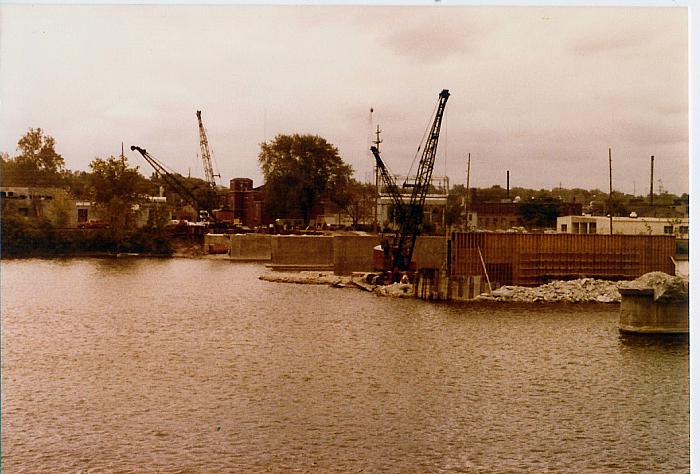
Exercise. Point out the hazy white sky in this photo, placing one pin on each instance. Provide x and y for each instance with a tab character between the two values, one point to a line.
542	92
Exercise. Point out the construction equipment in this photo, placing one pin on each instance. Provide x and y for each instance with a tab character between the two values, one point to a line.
201	205
409	215
206	154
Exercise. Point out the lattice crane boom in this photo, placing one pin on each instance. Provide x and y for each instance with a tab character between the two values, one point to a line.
206	153
410	215
175	183
414	212
389	183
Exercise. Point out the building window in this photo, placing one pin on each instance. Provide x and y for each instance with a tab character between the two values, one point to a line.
683	229
575	228
668	229
82	215
564	227
592	228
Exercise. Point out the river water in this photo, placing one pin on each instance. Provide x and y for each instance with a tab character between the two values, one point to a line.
177	365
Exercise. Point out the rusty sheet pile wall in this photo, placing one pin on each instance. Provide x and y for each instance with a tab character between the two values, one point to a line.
533	259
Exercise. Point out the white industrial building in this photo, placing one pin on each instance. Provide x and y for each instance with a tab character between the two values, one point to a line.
632	225
434	211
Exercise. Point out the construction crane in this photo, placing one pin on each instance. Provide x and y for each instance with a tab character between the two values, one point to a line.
410	215
178	185
206	154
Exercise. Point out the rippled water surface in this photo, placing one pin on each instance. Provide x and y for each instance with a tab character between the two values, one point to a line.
198	366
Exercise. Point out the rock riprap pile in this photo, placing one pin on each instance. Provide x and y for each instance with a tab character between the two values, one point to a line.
306	277
666	287
590	290
583	290
397	290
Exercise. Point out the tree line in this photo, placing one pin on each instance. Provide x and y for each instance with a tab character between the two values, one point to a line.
301	173
111	183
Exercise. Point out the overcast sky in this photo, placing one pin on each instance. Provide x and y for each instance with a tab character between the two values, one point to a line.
542	92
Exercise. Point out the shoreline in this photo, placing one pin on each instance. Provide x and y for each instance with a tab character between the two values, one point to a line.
580	291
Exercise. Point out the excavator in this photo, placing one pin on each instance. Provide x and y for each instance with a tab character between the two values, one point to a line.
409	216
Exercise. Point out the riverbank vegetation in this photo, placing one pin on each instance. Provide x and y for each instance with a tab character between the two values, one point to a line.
22	237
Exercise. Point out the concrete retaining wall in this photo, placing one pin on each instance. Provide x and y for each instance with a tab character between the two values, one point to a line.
343	254
251	247
353	253
302	251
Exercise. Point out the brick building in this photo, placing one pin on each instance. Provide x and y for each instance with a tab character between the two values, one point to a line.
246	202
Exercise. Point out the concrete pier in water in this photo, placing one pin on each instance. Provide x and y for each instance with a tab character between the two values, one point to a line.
655	303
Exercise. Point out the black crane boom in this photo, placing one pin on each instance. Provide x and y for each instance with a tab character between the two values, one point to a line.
175	183
389	182
410	215
414	212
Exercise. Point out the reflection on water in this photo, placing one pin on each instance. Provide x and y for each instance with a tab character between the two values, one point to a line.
196	365
672	342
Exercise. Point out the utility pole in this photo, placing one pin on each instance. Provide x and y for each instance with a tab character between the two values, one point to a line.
376	142
507	184
466	198
611	190
651	183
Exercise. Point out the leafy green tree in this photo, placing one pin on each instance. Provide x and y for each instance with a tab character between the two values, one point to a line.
455	205
39	150
539	212
116	188
79	184
359	201
299	171
494	193
38	163
617	206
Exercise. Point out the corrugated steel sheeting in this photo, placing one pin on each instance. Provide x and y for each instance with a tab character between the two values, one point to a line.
532	259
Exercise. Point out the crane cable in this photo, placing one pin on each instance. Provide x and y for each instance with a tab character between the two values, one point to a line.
423	140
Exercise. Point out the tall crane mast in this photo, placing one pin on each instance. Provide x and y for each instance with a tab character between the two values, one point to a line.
206	154
410	216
